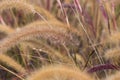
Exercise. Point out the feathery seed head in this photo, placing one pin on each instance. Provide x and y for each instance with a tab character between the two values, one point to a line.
112	53
12	63
59	73
8	4
56	34
116	76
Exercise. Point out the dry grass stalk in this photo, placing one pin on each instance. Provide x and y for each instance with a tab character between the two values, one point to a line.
58	56
46	48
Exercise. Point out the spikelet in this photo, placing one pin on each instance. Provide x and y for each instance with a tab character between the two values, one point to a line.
55	34
60	72
12	63
6	29
116	76
112	53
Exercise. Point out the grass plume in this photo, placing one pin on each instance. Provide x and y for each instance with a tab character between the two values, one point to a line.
112	53
12	63
59	73
114	38
115	76
16	4
24	6
55	34
6	29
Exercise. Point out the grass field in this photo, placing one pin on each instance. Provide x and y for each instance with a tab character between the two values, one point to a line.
59	39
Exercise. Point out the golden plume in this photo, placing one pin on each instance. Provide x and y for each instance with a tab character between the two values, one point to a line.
60	72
